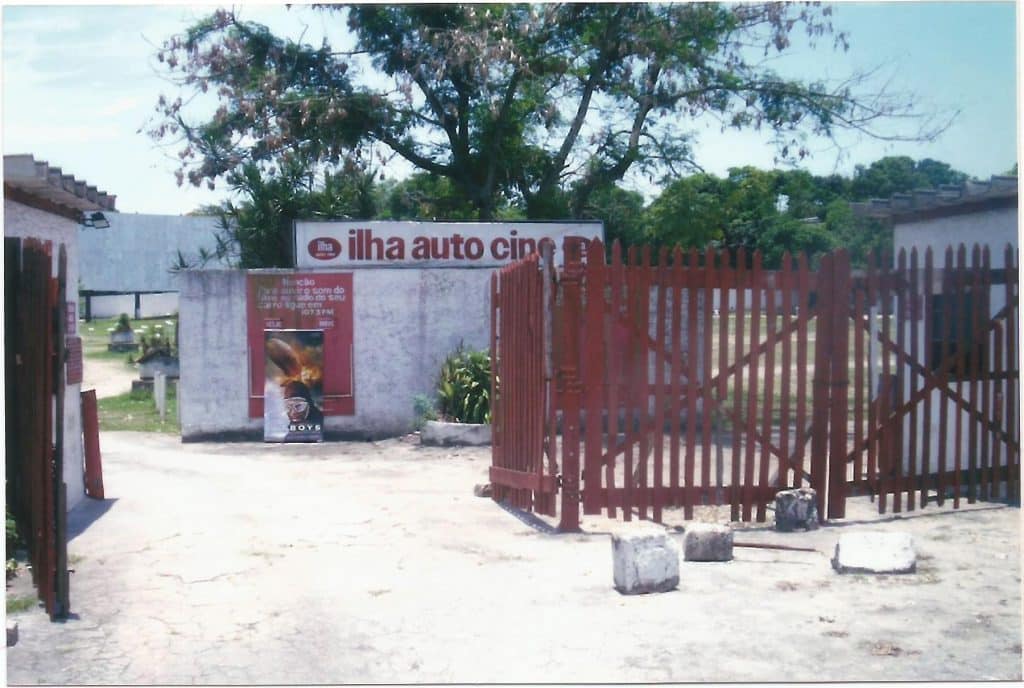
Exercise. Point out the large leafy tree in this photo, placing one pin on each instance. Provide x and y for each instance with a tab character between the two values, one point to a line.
900	174
541	105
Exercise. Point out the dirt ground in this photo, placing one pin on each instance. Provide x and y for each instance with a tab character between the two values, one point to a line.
109	378
373	562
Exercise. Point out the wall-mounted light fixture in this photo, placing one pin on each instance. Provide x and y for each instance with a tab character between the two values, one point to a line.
97	220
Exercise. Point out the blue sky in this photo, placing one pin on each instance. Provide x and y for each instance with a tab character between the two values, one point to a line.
79	81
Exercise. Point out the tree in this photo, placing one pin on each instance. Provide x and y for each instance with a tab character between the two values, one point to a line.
536	104
901	174
257	231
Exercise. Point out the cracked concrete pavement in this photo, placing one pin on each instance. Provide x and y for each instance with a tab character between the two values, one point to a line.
373	562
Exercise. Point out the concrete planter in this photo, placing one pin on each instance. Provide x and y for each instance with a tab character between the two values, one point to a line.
122	341
440	433
168	365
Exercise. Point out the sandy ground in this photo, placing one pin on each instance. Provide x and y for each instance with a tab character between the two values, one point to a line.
373	562
108	378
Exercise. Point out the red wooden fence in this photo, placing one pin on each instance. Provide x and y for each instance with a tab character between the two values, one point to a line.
622	383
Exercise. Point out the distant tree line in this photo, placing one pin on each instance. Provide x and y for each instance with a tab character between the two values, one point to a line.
773	211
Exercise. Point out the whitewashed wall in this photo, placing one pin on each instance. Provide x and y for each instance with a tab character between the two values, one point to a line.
150	305
26	222
406	321
137	252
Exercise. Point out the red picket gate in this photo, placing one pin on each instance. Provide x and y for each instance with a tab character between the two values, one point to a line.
623	385
34	321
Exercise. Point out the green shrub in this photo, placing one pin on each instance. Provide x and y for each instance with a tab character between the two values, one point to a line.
464	389
423	407
12	532
123	323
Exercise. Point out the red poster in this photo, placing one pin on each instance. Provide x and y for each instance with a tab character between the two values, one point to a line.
304	301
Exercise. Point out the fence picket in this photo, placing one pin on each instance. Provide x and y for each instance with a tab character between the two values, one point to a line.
707	283
769	393
961	370
614	351
642	383
802	337
985	370
925	357
736	480
594	376
661	398
786	286
675	395
751	419
692	373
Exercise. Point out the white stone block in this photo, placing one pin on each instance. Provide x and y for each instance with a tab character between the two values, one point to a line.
874	552
455	434
707	542
645	559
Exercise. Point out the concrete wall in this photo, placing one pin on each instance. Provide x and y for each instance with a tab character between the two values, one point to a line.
992	228
26	222
150	305
406	322
136	252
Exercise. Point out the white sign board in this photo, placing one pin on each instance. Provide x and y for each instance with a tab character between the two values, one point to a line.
379	243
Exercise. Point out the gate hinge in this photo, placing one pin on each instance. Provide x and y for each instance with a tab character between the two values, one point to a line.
558	481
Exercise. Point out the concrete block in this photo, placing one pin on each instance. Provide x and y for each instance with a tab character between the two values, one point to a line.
438	433
796	509
645	559
874	552
707	542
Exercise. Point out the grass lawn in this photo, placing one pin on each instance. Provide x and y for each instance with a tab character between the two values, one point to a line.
96	335
137	411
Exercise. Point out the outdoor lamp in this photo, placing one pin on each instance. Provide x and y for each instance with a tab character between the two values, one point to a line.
97	220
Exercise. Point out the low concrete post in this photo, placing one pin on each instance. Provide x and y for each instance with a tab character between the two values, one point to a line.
645	559
160	394
707	542
797	508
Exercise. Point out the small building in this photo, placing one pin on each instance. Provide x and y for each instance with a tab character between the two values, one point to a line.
983	214
43	203
129	266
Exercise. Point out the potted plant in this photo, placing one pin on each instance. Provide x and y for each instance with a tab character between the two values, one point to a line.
463	401
159	354
122	337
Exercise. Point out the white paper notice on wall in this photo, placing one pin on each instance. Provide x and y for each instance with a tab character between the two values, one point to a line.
377	243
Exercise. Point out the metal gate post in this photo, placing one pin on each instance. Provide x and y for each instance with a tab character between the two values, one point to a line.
568	375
